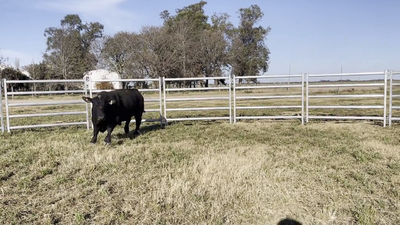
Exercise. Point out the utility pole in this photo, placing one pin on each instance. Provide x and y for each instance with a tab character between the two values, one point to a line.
290	67
341	77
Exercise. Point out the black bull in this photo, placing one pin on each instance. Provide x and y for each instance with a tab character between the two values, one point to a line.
109	109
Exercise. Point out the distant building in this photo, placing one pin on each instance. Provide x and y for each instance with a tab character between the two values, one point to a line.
102	74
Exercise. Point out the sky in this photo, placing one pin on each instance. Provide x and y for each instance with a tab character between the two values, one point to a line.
307	36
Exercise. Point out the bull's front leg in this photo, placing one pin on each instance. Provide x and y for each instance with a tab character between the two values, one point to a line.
126	128
95	133
110	129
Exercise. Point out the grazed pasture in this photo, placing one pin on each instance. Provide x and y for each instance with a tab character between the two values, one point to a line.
251	172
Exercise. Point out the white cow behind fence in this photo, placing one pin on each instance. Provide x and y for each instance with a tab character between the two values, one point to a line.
102	74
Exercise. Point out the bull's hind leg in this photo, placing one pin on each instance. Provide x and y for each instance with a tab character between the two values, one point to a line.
138	119
126	128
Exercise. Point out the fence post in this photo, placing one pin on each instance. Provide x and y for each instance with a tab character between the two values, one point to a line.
302	99
307	97
160	86
6	103
1	108
390	98
385	99
234	97
85	89
230	99
165	101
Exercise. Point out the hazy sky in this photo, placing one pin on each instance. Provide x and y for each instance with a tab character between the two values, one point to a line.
314	36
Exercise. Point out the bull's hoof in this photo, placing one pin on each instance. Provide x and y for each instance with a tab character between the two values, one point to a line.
106	143
137	133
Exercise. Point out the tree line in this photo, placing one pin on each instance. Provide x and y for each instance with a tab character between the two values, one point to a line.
188	44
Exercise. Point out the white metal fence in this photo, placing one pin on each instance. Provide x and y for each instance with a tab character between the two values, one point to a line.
281	85
381	76
169	101
168	91
12	93
392	106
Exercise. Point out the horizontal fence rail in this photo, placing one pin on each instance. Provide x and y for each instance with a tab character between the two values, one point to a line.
299	84
392	106
42	103
299	96
225	98
156	83
381	83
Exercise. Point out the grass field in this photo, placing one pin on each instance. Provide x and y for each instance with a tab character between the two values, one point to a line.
251	172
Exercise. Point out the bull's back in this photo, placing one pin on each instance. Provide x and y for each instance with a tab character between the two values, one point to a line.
130	102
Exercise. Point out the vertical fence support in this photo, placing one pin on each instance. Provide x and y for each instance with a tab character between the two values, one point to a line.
6	103
302	99
390	98
234	97
385	98
160	86
90	87
307	97
165	101
230	99
85	88
1	109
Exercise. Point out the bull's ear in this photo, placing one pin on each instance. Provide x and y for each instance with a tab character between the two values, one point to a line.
87	99
112	102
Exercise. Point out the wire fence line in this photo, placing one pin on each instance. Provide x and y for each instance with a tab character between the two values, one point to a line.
304	96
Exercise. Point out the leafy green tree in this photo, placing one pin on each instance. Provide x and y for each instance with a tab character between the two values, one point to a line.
247	51
68	46
40	71
186	29
10	73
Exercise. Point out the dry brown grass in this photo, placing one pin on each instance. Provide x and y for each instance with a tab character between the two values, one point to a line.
252	172
210	173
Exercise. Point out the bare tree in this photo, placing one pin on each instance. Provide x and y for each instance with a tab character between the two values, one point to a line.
212	53
156	53
16	64
3	60
116	52
97	49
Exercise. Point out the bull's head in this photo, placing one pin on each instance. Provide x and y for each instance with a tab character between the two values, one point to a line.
100	104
